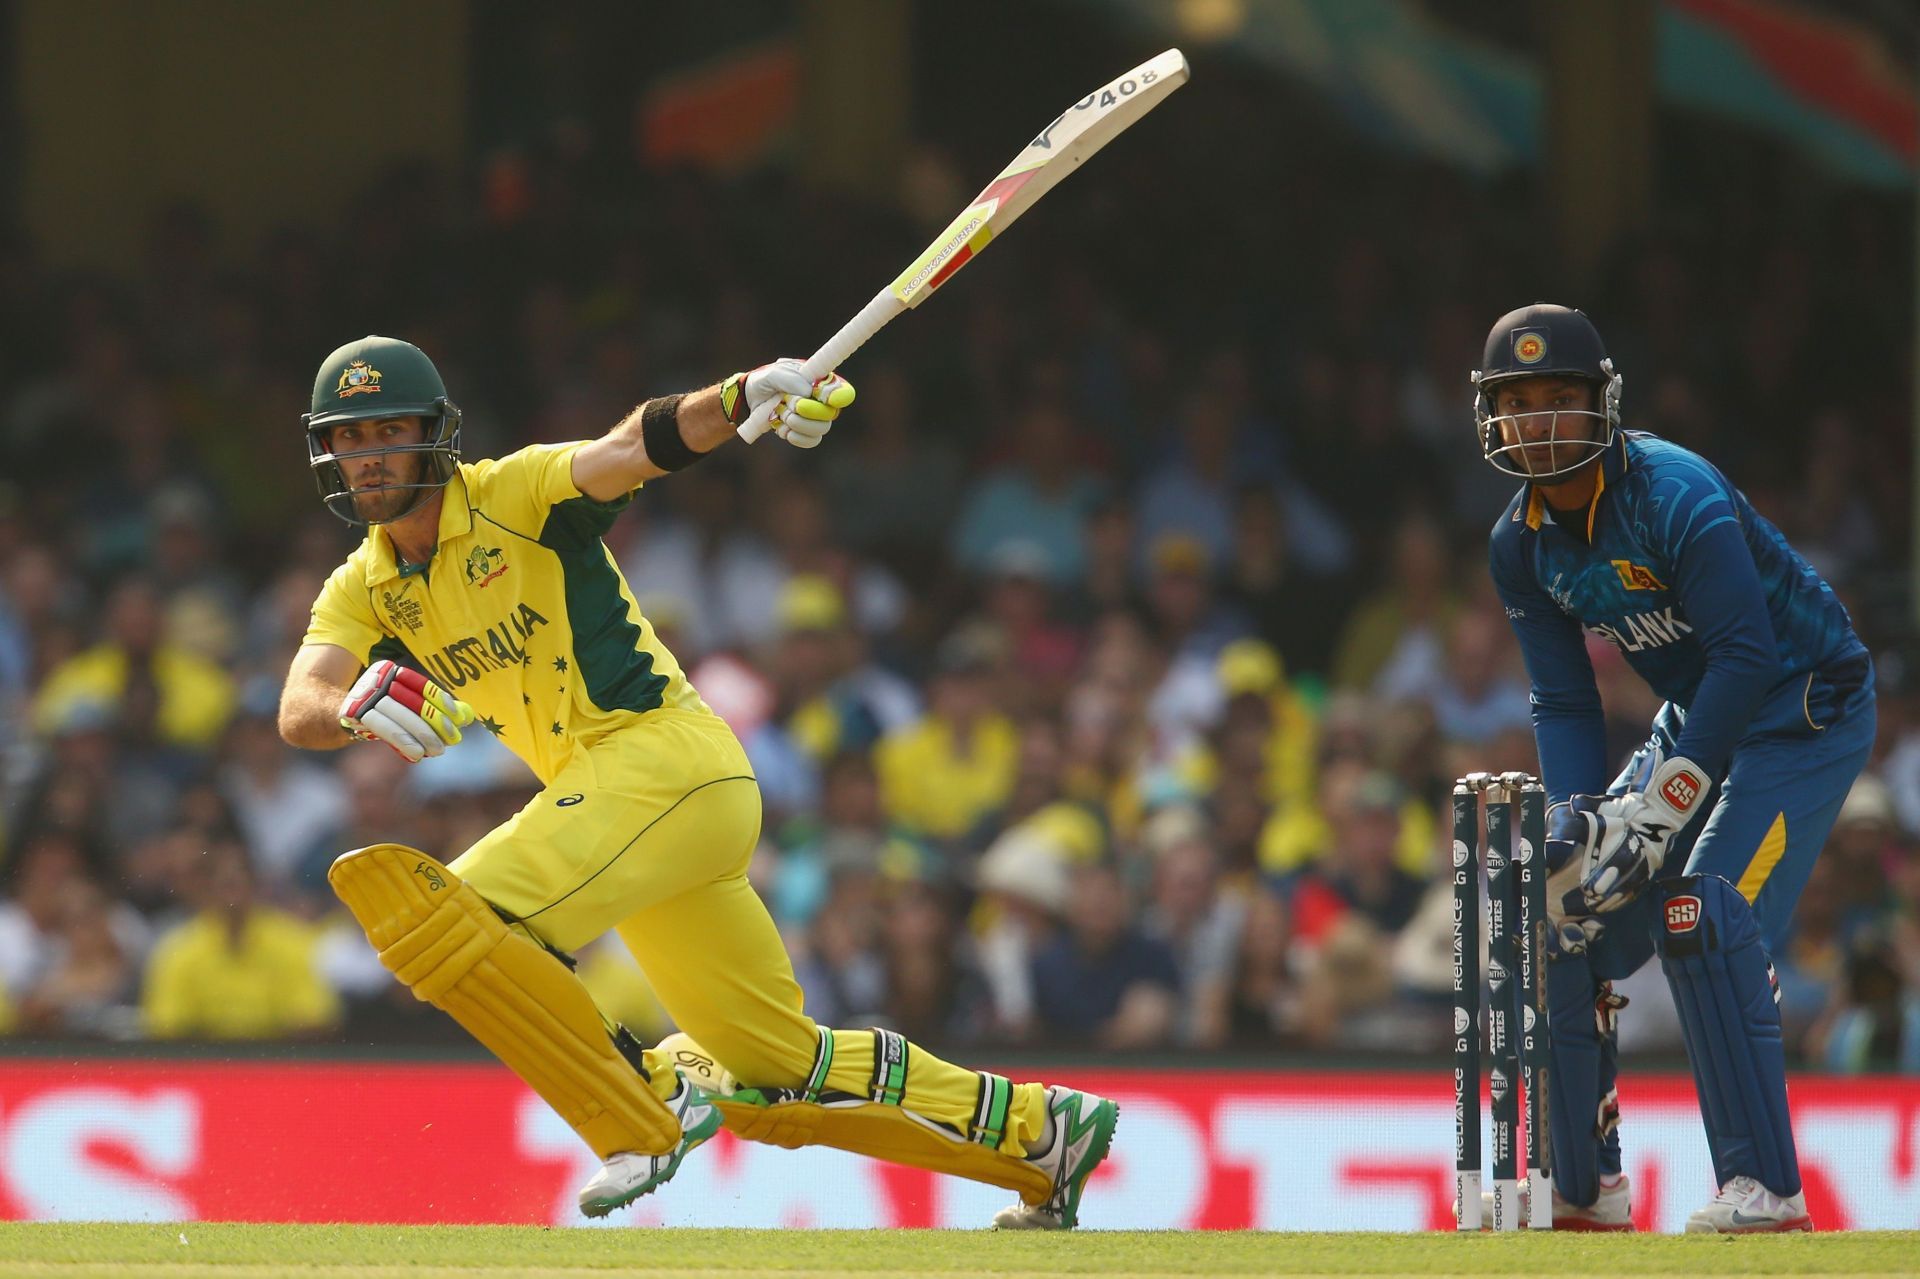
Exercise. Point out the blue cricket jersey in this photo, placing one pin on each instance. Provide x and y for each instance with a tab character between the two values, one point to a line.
1704	598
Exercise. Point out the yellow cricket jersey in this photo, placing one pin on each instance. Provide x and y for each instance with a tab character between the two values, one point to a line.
201	982
933	782
522	612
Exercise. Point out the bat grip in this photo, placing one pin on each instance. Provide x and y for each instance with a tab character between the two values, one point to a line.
852	336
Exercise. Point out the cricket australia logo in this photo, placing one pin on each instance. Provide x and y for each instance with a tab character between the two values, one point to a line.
358	378
402	611
484	564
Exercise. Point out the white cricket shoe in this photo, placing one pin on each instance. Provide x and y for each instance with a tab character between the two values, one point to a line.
1611	1211
628	1175
1745	1207
1083	1127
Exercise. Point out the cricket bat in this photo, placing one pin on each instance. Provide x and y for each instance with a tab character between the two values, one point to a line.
1073	135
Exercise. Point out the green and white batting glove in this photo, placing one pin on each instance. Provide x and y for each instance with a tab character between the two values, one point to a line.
803	411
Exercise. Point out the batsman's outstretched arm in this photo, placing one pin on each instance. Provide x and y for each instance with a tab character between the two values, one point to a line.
675	431
316	683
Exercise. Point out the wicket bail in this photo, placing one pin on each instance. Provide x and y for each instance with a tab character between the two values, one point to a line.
1516	990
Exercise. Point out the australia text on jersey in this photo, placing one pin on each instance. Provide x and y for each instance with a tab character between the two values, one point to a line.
499	647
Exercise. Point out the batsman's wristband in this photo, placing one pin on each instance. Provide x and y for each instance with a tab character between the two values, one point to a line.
733	398
660	432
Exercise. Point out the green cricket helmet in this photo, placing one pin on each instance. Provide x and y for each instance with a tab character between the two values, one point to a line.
371	380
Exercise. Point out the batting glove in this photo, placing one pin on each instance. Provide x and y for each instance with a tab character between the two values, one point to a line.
1570	836
803	411
1634	831
406	710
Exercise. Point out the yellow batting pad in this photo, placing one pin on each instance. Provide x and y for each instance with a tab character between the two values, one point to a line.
439	936
885	1132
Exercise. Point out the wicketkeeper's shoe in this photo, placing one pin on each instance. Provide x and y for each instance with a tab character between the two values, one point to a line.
627	1176
1745	1207
1611	1211
1082	1126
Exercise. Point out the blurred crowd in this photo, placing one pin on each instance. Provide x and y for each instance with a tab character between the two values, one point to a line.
1105	673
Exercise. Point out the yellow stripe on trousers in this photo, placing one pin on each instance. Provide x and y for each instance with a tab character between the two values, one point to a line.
1772	848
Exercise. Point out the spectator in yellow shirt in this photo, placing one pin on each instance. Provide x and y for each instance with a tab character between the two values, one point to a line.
945	775
236	970
161	690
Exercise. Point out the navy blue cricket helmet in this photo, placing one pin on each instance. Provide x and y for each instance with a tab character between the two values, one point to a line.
1544	340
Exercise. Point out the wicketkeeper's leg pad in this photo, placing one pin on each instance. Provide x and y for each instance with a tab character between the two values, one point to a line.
859	1097
1724	989
440	937
1583	1106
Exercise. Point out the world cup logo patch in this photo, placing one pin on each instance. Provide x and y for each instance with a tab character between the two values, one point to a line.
1530	347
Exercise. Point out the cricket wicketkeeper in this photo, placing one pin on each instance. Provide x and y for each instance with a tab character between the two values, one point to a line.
483	594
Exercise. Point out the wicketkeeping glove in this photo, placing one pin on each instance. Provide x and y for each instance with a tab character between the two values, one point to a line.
406	710
803	411
1570	835
1634	831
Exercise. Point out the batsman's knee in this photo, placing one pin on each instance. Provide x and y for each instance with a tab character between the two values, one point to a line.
437	934
428	927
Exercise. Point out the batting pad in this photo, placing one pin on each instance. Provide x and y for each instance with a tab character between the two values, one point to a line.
877	1125
439	937
879	1131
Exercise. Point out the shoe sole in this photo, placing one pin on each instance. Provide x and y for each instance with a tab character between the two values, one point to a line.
1579	1225
1800	1225
700	1135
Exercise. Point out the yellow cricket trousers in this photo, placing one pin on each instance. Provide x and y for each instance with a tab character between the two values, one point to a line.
650	831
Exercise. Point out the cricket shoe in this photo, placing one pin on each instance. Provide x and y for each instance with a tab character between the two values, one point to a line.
625	1177
1611	1211
1082	1126
1745	1207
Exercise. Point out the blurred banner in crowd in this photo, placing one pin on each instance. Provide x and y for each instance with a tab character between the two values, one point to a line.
465	1142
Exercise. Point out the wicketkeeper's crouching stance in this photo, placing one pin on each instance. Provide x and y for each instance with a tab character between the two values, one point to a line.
490	578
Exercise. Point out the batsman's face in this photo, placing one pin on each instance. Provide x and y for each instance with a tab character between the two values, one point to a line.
377	476
1556	420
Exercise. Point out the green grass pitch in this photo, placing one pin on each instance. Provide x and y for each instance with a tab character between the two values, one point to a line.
71	1250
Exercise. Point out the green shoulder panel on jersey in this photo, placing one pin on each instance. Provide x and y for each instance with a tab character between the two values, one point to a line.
606	641
389	648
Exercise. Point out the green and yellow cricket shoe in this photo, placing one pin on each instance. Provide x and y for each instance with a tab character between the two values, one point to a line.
1083	1126
625	1177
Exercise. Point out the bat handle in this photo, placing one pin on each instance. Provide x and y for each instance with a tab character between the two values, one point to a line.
852	336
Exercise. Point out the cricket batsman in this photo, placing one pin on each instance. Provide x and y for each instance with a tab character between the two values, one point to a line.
1699	849
482	594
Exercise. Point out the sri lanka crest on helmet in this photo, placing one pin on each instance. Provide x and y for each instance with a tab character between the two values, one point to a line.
358	378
